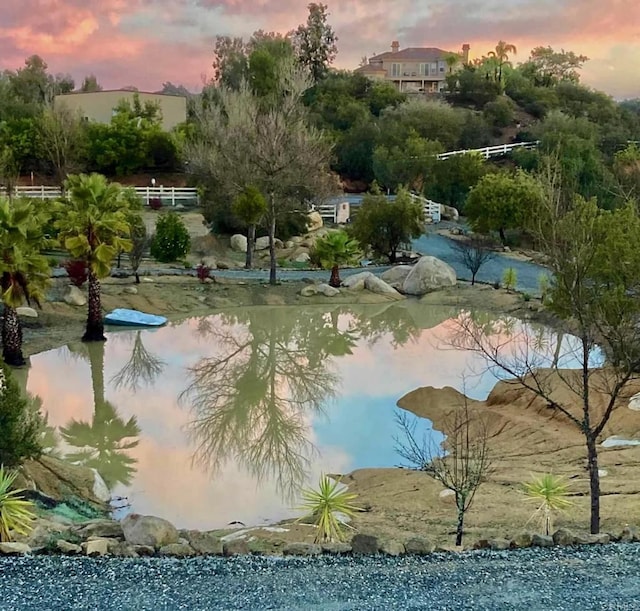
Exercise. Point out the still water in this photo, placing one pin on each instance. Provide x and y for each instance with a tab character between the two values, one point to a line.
225	418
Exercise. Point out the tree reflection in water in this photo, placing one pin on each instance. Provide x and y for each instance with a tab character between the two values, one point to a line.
103	442
272	371
140	370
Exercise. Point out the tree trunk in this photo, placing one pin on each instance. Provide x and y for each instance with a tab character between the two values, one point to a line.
272	248
334	281
473	279
251	240
503	237
95	328
137	277
459	529
12	338
594	484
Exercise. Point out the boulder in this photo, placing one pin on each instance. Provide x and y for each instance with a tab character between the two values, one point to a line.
65	547
130	290
238	242
523	539
100	488
428	274
364	544
327	291
75	297
449	213
177	550
563	536
419	546
143	550
27	312
380	287
634	402
297	239
357	281
235	547
205	543
302	549
109	529
262	243
541	541
629	534
336	548
96	547
148	530
589	539
309	290
391	547
314	221
14	548
396	275
121	549
303	257
499	544
289	244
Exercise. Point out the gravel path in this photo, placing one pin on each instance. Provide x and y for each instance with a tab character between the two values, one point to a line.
588	578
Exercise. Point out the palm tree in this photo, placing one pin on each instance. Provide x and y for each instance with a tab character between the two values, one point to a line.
24	272
501	55
92	220
334	250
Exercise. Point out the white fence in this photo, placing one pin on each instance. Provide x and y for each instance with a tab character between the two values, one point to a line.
432	210
492	151
173	196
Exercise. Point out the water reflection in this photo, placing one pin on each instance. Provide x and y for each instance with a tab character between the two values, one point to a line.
270	397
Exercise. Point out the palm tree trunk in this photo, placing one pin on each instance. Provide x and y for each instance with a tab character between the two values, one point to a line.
12	338
334	281
95	329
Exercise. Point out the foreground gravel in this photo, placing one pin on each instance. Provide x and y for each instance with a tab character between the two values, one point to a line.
602	577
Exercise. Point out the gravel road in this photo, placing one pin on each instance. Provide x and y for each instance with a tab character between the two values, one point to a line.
588	578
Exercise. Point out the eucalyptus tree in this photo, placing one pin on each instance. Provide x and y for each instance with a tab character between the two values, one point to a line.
24	272
92	220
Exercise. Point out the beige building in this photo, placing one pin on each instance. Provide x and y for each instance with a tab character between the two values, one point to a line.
99	106
415	69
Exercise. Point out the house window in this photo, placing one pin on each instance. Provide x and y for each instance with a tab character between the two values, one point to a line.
424	69
434	68
396	69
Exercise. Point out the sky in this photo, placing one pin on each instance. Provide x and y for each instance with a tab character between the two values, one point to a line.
148	42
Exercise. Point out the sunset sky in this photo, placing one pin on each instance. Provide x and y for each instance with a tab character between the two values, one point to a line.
147	42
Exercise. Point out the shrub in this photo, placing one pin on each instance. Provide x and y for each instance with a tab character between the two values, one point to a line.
16	513
155	203
526	297
77	271
171	240
510	278
19	425
202	271
551	492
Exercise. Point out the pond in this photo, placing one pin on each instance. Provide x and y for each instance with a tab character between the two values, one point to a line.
224	418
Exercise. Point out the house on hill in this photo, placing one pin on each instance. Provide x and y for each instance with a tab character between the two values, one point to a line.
100	106
415	69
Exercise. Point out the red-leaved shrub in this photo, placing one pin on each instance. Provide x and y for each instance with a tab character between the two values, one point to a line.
203	272
155	203
77	272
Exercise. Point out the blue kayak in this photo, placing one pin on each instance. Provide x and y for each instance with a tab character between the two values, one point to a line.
133	318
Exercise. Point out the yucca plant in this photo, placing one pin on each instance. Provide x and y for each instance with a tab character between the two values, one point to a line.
324	505
551	492
15	513
510	279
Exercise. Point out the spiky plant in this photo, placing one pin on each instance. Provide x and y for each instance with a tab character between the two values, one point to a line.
510	279
15	513
551	492
336	249
324	506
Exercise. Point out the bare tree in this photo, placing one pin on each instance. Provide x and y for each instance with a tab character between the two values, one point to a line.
140	240
249	140
461	464
474	253
61	135
140	370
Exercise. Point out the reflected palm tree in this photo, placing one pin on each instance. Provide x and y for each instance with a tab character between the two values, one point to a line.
140	370
251	401
102	443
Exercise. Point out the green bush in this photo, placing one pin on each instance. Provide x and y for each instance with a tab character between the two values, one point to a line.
19	425
510	279
171	241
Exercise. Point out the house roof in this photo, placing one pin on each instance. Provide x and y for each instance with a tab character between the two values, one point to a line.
419	54
125	91
370	68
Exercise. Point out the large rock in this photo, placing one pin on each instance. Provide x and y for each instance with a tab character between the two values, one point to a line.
204	543
356	282
629	534
523	539
96	547
235	547
449	213
499	544
238	242
336	548
27	312
148	530
419	546
75	296
177	550
541	541
327	291
262	243
428	274
396	275
65	547
109	529
391	547
563	536
309	291
14	548
364	544
303	257
302	549
315	221
380	287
